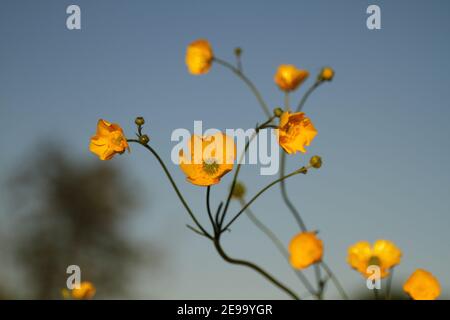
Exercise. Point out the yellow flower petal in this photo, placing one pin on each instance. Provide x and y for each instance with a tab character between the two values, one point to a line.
422	285
383	253
288	77
199	57
209	158
295	131
326	74
305	249
108	141
85	291
359	255
387	252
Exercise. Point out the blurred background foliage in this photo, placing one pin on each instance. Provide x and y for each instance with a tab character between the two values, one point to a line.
64	211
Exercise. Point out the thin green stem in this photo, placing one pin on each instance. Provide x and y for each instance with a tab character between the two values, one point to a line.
239	63
278	244
238	168
216	218
335	280
375	294
387	295
196	231
320	282
285	196
307	94
208	208
256	268
174	185
286	101
248	82
258	194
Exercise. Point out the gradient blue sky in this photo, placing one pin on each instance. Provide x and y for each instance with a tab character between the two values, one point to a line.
383	122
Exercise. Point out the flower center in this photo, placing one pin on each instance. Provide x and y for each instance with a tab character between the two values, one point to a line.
210	166
117	140
374	261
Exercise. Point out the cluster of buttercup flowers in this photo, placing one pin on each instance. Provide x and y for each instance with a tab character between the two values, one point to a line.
214	156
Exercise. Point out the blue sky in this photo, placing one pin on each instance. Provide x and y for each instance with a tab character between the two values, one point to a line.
383	121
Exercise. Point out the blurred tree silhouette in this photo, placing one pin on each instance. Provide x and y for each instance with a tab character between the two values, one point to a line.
68	212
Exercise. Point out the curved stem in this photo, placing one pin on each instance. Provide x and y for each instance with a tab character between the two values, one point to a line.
320	281
307	94
258	194
278	244
238	168
335	280
208	208
255	268
285	196
172	181
286	101
387	295
248	82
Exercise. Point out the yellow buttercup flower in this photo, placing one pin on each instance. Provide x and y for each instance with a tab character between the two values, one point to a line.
326	74
108	141
208	159
288	77
422	285
199	57
383	253
295	131
85	291
305	249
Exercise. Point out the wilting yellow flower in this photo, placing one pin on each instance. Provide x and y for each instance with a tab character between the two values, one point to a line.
326	74
85	291
305	249
383	253
288	77
208	158
108	141
422	285
295	132
199	57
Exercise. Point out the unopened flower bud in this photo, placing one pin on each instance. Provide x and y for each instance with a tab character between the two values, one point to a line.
144	139
238	51
326	74
139	121
278	112
238	190
315	162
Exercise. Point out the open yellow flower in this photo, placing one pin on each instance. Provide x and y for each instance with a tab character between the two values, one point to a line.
305	249
288	77
108	141
295	131
85	291
383	253
422	285
199	57
208	158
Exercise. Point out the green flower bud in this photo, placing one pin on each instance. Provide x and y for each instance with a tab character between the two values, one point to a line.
139	121
144	139
239	190
315	162
278	112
